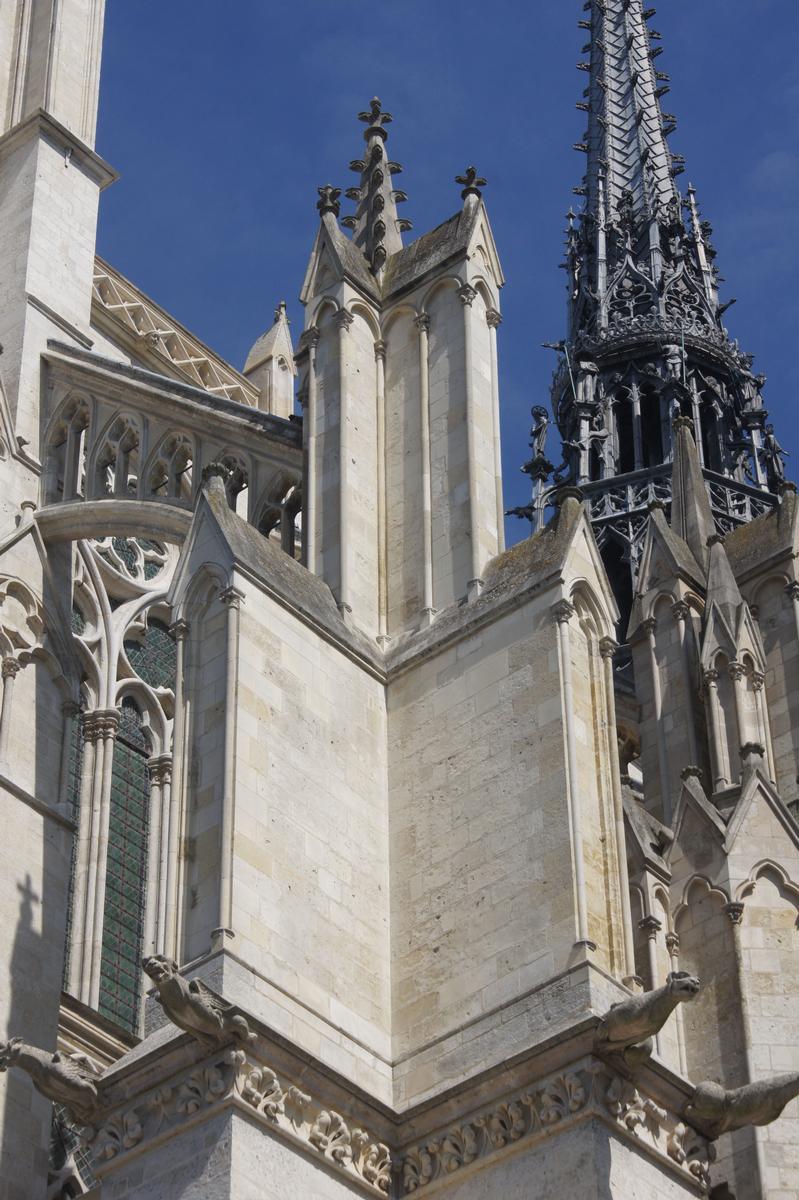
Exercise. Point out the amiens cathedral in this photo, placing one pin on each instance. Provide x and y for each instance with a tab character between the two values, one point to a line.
347	852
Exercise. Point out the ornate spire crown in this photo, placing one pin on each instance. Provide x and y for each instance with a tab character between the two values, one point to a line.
646	341
376	228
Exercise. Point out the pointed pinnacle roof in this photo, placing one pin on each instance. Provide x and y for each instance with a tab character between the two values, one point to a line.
376	228
722	590
626	138
275	342
691	515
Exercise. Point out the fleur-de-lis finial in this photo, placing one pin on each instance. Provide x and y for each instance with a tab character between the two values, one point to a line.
375	117
328	201
471	182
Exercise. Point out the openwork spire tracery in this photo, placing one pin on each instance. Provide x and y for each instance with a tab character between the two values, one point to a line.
646	341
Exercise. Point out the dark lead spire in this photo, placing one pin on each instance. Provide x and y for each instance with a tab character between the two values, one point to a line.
376	228
646	343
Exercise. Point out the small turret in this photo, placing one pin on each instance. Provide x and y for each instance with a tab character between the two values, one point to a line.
270	366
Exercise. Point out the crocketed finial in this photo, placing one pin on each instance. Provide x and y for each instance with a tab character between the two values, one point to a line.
328	201
472	183
375	118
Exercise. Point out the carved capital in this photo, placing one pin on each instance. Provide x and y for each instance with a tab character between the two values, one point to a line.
735	911
493	318
752	750
102	723
10	668
649	626
792	590
562	612
70	709
758	680
673	943
380	350
608	648
736	671
422	322
312	336
179	630
690	773
651	926
232	597
467	295
711	677
160	769
343	320
680	611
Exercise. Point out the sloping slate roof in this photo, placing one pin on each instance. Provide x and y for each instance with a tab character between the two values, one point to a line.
430	250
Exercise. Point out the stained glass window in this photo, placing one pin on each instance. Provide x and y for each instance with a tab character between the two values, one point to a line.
125	894
75	770
155	658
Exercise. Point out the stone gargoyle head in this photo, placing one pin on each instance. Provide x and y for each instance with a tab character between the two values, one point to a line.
683	984
160	968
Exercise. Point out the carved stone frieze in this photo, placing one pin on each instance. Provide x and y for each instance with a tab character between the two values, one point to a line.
591	1090
234	1078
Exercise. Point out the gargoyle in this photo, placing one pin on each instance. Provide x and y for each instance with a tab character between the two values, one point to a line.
69	1079
633	1023
714	1110
193	1007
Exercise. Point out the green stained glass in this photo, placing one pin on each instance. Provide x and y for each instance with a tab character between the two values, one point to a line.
78	620
126	873
126	551
155	658
75	771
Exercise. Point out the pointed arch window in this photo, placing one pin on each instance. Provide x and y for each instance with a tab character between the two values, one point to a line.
123	918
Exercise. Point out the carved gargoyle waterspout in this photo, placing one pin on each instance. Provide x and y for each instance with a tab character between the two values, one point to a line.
193	1007
69	1079
714	1110
629	1027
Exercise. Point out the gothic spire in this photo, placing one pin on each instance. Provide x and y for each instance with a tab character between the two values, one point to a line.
626	138
376	228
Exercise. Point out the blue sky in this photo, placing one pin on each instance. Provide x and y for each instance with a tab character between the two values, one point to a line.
224	119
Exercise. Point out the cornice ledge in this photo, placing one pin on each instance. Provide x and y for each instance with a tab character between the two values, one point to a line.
42	124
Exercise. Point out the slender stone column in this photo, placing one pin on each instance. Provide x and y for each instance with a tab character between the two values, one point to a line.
167	935
697	414
159	817
232	598
109	724
78	959
718	754
309	498
638	441
428	609
737	675
735	911
673	947
10	670
764	724
382	563
651	926
343	322
562	613
494	319
792	592
681	613
650	626
467	296
608	649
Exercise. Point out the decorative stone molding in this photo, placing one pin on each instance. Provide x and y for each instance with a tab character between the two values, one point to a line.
680	610
735	911
493	318
589	1090
179	630
10	668
235	1079
232	597
467	295
736	671
422	322
649	626
673	943
380	351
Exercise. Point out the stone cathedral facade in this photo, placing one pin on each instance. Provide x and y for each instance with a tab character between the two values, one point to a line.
346	852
